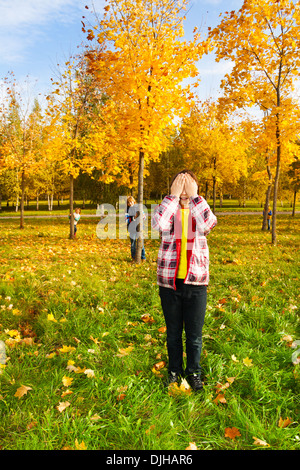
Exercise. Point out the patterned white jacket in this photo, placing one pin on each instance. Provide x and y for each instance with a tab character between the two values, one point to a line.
167	219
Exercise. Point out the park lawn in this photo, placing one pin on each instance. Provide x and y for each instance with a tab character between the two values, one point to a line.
86	344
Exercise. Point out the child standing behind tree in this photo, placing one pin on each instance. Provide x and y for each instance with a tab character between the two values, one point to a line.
130	216
77	215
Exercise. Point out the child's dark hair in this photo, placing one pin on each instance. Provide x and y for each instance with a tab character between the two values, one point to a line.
185	171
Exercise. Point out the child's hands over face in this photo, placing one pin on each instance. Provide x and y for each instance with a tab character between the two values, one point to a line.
190	186
178	184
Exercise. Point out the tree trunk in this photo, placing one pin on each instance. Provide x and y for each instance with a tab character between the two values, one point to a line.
294	203
214	194
214	187
206	190
139	234
267	201
22	200
71	207
274	236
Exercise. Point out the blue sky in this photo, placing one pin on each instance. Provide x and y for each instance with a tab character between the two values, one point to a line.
35	35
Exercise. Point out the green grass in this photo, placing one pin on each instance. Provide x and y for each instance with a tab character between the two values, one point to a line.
87	295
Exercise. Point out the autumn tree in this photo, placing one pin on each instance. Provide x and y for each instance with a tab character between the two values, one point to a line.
22	127
214	146
140	57
262	41
75	133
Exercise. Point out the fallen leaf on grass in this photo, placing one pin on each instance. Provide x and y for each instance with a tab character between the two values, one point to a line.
182	389
232	433
121	390
150	429
220	398
157	367
22	391
50	317
80	446
192	446
124	351
162	329
121	396
259	442
283	423
147	318
247	362
66	349
63	405
90	373
67	381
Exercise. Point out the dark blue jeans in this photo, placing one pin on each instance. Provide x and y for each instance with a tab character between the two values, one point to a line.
133	243
184	308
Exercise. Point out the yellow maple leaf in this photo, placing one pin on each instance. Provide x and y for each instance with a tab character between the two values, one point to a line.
67	381
21	391
63	405
80	446
66	349
247	362
90	373
50	317
124	351
182	389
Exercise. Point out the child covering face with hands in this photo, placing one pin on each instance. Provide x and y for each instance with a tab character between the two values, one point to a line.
184	219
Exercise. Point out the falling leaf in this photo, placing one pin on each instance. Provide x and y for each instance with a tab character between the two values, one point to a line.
220	398
95	417
67	381
162	329
50	317
22	391
121	396
63	405
247	362
125	351
259	442
192	446
147	318
80	446
159	365
234	358
283	423
90	373
150	429
184	389
66	349
31	425
232	433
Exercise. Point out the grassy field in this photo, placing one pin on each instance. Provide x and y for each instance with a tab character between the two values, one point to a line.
86	345
229	205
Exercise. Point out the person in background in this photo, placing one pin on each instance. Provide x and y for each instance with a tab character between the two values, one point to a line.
130	216
77	215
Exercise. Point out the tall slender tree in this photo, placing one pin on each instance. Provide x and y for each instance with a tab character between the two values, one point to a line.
262	41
